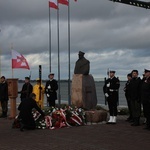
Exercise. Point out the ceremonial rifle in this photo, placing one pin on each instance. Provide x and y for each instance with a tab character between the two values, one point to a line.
105	84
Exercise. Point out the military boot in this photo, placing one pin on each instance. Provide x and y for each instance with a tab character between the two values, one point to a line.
136	121
114	120
110	120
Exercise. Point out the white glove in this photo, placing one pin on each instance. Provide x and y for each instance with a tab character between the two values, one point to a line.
106	94
48	95
108	85
49	87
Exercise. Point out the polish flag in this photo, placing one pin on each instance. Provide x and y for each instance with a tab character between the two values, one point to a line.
53	4
64	2
18	61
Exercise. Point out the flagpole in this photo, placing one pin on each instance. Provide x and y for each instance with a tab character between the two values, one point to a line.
50	50
12	73
11	61
0	59
69	95
59	96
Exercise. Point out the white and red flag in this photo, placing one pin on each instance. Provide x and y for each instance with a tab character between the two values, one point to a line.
64	2
18	61
53	4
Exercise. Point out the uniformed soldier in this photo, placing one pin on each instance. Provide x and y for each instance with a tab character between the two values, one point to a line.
50	89
135	94
110	89
145	98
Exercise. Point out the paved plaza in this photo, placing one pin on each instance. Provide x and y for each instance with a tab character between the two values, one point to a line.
121	136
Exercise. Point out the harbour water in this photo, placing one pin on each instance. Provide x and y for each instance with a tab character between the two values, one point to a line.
99	90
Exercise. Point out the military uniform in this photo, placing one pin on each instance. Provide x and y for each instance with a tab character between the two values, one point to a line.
50	89
110	89
145	98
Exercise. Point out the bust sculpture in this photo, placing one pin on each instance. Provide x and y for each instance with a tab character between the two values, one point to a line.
82	65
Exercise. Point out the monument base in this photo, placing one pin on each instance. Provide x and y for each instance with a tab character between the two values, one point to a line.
83	91
96	116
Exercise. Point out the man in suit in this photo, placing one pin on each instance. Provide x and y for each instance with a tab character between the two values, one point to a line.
135	95
127	95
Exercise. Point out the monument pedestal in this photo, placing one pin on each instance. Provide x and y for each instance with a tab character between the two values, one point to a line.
96	116
83	91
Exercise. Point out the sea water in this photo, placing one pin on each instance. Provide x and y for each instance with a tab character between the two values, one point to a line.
64	96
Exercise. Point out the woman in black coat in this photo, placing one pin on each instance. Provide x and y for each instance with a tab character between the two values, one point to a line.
26	116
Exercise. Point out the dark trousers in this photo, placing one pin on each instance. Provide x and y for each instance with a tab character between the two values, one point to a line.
129	107
135	108
112	104
4	105
27	122
146	111
51	102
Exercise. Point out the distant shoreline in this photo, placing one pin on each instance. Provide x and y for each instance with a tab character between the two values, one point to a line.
22	81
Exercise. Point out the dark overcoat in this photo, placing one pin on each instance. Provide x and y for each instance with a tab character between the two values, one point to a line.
135	89
4	91
26	115
26	90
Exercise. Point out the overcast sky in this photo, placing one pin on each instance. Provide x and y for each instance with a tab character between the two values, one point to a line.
112	35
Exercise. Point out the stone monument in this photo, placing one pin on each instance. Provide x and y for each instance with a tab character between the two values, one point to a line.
83	85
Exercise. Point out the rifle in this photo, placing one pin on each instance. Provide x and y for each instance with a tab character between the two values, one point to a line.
105	96
105	84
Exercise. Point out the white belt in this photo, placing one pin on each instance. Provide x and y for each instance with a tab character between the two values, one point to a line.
112	90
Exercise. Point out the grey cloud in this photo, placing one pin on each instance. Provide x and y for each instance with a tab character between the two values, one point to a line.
112	35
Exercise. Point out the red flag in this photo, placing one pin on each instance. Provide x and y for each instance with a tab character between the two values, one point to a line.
64	2
53	4
18	61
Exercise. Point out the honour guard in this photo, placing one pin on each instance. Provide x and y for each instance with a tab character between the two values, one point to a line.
110	89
